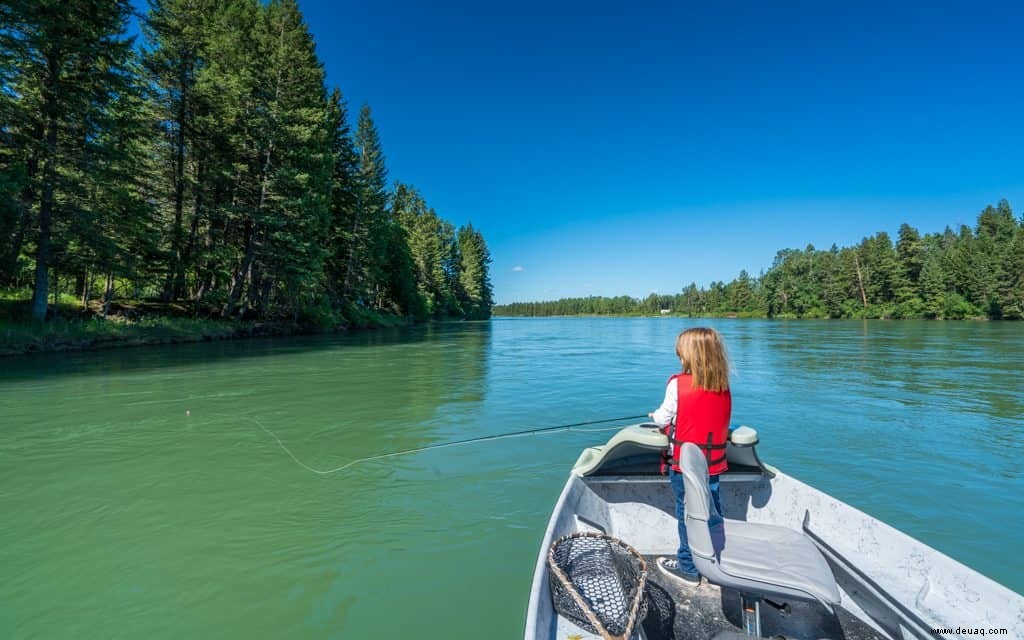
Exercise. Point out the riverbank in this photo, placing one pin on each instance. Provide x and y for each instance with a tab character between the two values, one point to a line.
143	323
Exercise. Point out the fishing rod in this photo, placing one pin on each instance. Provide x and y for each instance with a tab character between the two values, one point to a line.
575	426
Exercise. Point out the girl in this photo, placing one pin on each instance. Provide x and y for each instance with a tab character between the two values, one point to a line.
696	409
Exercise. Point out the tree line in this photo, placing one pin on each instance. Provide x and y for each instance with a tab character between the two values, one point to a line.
208	165
954	274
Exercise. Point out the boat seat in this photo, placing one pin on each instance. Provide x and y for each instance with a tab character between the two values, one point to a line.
759	560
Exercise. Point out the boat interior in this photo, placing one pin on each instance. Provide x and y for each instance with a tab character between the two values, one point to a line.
678	611
775	570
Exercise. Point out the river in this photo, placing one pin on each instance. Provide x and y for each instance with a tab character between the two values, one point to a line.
143	493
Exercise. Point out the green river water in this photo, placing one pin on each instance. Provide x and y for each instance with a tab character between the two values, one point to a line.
140	497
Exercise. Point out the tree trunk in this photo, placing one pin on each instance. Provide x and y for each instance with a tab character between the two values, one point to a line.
860	280
266	285
253	286
352	251
193	234
24	219
244	276
173	286
108	293
42	285
28	196
255	274
244	272
56	290
82	285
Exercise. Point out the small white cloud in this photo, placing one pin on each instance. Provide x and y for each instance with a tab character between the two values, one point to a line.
518	268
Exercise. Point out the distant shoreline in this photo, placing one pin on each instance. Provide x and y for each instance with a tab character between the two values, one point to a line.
969	273
736	317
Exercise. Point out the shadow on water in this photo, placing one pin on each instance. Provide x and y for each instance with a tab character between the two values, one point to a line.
324	400
129	359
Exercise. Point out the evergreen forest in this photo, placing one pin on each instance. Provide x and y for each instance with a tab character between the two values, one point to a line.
955	274
205	166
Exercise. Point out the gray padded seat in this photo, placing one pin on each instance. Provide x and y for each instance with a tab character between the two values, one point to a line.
759	559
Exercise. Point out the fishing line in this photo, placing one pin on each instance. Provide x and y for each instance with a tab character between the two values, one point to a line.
500	436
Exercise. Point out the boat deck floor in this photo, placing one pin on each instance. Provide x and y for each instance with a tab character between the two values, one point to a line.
682	612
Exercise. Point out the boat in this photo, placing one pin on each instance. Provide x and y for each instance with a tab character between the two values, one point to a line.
817	567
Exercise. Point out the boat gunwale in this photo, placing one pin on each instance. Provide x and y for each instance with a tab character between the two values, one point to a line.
540	569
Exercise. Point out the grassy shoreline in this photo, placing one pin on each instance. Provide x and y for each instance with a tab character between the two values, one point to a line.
75	329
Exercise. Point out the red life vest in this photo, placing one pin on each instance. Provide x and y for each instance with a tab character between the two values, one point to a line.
702	417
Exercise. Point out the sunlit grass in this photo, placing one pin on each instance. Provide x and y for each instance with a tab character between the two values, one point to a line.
72	327
59	334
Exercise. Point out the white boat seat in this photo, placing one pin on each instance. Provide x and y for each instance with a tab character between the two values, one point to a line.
760	559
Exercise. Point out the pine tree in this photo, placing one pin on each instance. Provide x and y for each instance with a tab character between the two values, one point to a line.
217	169
343	198
17	162
881	273
741	294
474	281
692	303
971	268
1013	293
401	289
113	233
932	288
450	266
70	60
995	238
834	283
365	271
778	286
177	33
420	229
293	209
906	279
226	154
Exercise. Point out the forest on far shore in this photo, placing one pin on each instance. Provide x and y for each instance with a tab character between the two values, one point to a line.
954	274
207	170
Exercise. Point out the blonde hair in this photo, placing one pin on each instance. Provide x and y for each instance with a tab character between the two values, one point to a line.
702	353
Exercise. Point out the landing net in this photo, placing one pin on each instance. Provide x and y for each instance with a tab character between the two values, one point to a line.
597	582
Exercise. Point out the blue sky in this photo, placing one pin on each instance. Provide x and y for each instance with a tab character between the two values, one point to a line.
610	148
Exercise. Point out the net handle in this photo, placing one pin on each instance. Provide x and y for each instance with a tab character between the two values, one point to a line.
578	599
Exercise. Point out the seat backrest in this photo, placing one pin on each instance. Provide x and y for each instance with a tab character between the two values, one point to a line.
699	506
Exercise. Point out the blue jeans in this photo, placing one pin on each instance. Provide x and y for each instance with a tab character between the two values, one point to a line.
683	555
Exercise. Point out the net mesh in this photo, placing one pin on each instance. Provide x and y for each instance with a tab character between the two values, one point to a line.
597	582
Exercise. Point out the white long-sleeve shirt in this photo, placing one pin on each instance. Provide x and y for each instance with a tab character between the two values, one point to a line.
666	413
